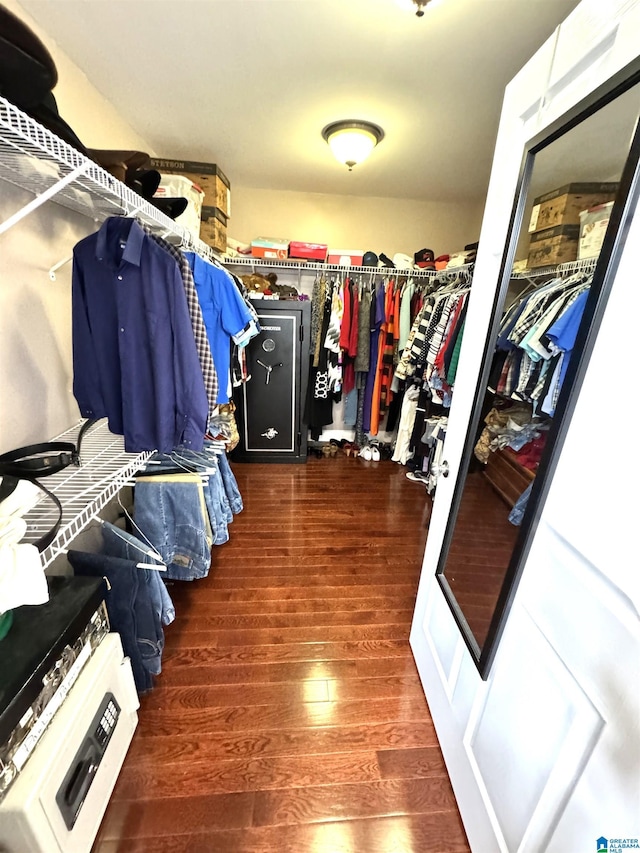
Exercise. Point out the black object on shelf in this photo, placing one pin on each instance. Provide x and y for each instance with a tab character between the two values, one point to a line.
36	639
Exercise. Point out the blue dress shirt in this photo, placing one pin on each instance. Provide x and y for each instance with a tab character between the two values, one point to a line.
225	315
134	353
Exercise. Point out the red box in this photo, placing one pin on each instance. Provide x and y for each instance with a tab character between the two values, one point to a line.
345	257
308	251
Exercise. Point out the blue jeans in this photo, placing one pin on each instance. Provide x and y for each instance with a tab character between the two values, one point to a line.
517	512
129	608
230	484
120	543
171	515
218	508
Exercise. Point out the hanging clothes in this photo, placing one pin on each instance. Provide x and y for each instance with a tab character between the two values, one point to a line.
319	404
135	360
226	316
197	323
371	413
318	299
388	347
361	363
405	315
528	364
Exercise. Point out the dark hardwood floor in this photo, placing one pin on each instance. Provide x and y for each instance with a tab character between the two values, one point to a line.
289	717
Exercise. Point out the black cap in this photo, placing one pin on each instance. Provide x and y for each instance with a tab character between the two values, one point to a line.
425	259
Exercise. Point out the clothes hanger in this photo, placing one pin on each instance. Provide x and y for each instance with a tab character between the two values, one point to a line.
150	552
195	462
153	551
147	552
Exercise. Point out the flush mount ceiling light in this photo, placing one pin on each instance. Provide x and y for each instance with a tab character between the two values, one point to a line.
352	141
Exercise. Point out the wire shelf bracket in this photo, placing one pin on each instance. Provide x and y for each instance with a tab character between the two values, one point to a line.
84	490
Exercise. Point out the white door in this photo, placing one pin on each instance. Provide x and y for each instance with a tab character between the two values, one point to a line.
544	750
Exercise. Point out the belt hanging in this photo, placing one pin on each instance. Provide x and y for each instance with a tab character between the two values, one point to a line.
40	460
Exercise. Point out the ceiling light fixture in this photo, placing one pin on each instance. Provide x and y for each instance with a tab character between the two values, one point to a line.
421	5
352	141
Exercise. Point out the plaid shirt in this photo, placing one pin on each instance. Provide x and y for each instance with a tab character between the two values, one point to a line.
195	313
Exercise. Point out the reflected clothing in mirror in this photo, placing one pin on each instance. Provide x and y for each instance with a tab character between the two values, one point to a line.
534	345
517	513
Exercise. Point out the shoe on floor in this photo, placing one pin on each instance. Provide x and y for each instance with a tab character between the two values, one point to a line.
417	477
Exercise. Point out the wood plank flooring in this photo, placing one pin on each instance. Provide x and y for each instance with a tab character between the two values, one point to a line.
289	717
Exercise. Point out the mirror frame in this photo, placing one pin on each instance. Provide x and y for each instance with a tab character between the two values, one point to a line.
603	277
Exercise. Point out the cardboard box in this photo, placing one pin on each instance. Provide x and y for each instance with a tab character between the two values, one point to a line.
208	176
178	186
270	248
593	227
553	246
213	228
563	205
308	251
345	257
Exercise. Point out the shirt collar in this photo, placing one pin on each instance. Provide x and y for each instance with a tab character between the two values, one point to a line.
116	228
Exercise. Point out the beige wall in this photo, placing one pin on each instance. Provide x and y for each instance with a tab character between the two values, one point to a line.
386	225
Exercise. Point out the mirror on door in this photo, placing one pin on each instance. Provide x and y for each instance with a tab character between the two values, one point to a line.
569	188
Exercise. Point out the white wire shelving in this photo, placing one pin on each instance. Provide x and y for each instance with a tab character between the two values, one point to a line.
82	490
36	160
312	267
585	265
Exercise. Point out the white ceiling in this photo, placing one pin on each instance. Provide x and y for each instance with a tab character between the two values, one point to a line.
249	84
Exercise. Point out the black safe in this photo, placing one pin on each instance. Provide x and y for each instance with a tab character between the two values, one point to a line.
270	405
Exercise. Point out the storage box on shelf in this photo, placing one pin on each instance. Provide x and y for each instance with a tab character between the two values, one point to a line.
308	251
208	176
345	257
270	248
213	228
563	205
553	246
593	227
